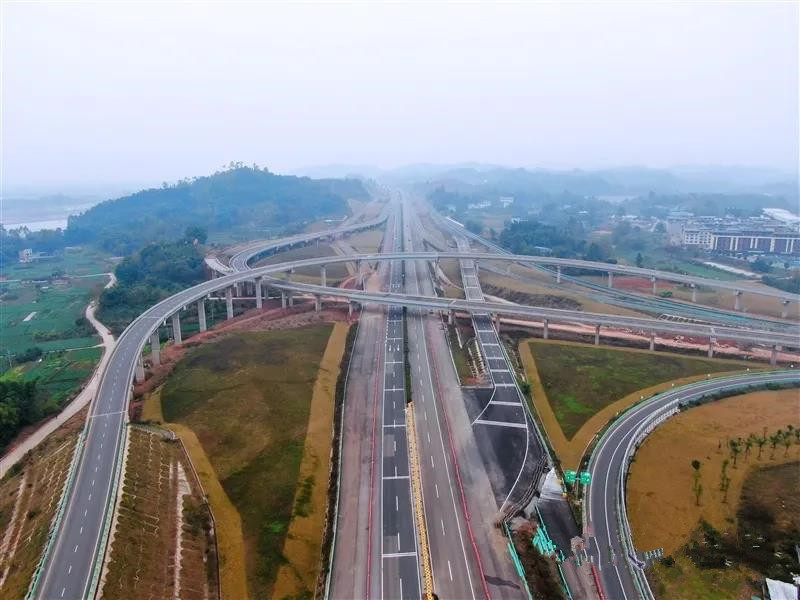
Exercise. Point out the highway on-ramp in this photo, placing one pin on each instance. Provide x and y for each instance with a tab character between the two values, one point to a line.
604	503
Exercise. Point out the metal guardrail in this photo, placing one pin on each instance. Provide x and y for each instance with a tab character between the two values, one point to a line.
640	433
62	505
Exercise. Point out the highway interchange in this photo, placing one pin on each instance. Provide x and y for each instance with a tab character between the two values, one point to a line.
72	562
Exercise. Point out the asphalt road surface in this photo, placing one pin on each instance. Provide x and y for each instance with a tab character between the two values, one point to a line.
605	548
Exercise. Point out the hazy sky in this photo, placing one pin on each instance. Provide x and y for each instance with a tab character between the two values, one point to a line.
152	91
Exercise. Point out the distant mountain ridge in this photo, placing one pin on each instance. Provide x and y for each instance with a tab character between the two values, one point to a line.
242	198
623	180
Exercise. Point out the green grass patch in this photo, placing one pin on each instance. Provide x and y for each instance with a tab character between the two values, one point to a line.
247	398
581	380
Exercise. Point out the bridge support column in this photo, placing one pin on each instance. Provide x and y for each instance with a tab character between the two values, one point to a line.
773	356
360	269
652	341
317	303
610	280
283	299
785	309
558	273
350	309
176	329
597	335
139	373
238	289
737	300
201	314
155	348
289	274
655	285
291	298
259	301
450	317
323	276
545	329
694	293
229	302
711	342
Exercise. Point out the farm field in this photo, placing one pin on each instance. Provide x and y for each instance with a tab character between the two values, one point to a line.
579	380
29	495
760	499
163	540
73	262
248	400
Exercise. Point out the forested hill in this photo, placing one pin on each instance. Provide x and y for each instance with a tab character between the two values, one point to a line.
242	198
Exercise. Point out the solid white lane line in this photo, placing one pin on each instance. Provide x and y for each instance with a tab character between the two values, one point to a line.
502	424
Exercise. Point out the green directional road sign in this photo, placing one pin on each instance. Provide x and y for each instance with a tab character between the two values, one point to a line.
570	476
586	477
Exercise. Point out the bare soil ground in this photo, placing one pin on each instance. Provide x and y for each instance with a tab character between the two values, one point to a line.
661	503
366	241
29	495
163	543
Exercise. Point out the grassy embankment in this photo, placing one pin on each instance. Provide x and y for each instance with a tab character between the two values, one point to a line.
761	497
161	501
29	496
578	388
260	433
335	272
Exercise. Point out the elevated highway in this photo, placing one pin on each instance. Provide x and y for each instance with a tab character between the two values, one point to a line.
73	558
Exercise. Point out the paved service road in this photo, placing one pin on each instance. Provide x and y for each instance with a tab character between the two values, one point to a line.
607	470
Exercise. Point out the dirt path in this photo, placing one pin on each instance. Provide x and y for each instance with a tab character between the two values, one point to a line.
303	545
85	396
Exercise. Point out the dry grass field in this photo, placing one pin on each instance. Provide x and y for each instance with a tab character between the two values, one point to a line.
29	496
661	503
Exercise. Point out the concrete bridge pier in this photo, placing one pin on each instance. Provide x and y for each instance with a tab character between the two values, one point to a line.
652	341
289	274
360	270
450	317
737	300
283	299
558	273
229	302
655	285
176	329
610	280
323	276
597	335
785	309
773	356
694	293
317	303
155	348
545	329
291	298
711	342
201	314
238	290
259	302
350	309
139	373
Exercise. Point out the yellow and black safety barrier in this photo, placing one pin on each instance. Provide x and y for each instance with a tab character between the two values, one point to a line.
419	511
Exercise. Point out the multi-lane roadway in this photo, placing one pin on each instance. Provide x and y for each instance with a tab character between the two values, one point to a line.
71	563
